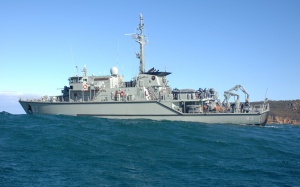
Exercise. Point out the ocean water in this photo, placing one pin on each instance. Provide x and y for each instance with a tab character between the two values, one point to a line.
41	150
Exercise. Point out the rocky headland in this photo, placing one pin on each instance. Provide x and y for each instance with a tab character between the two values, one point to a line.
283	112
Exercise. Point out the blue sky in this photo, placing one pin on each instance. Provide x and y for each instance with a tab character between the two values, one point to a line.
203	43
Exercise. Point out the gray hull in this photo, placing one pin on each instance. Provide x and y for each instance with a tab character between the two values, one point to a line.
146	96
153	110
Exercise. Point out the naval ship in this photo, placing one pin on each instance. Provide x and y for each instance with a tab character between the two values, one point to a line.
146	96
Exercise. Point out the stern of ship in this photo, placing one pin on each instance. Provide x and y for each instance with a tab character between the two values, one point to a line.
264	117
265	114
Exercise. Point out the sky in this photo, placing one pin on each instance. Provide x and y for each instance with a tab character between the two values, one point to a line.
205	44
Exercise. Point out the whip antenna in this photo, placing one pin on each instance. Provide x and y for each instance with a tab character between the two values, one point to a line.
71	50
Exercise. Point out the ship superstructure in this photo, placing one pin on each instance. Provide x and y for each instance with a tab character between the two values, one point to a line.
146	96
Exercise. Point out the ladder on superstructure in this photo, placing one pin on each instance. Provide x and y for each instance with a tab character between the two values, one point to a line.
152	93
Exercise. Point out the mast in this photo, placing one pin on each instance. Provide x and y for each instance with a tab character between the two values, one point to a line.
140	38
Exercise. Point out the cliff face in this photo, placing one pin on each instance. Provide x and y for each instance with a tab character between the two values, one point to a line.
282	120
284	112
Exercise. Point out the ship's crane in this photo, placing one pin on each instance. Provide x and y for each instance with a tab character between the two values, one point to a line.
228	94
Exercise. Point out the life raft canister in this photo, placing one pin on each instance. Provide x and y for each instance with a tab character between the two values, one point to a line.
153	77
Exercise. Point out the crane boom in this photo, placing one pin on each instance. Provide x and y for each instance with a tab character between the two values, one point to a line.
235	88
229	93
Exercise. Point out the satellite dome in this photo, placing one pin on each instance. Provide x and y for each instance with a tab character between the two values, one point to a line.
114	71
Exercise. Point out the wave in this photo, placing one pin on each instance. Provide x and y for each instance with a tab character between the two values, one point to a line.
66	150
